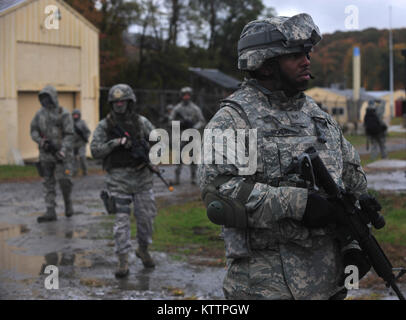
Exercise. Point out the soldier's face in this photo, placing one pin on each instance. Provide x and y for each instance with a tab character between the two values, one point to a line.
120	107
186	97
295	70
46	101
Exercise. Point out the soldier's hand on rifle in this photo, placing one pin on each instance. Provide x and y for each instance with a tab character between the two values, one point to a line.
319	212
60	155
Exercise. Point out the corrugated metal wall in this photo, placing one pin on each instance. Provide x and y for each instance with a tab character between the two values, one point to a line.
26	23
23	27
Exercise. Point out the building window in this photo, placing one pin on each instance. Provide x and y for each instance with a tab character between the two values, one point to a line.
338	111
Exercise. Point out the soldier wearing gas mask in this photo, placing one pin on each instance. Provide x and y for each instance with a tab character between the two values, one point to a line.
121	140
52	130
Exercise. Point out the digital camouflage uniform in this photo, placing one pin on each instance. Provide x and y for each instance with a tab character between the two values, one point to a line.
55	125
277	257
127	184
189	113
80	140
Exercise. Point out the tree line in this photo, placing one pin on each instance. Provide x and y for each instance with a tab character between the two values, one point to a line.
173	35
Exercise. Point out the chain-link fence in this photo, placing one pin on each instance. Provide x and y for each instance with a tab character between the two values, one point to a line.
155	104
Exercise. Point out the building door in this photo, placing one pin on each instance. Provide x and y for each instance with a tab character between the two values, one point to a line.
28	105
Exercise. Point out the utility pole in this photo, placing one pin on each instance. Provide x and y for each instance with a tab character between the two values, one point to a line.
391	64
404	101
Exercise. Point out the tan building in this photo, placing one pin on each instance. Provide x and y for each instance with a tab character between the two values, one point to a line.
398	95
43	42
336	101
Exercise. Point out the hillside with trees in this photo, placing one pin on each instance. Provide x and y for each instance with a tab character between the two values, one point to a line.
180	34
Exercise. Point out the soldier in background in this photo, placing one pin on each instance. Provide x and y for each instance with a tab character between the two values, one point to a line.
52	130
375	130
280	237
190	116
120	140
81	139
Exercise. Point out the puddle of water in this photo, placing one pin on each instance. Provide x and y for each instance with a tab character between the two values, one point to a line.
391	181
11	258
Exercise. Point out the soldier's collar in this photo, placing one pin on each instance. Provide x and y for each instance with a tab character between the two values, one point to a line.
276	96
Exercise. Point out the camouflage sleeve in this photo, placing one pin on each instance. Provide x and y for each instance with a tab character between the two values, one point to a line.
201	121
353	175
67	132
147	125
266	204
173	114
34	130
100	147
85	129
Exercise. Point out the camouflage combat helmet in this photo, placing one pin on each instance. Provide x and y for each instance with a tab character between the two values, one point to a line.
276	36
120	92
186	90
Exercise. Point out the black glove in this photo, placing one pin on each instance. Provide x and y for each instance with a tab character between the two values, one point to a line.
358	258
319	212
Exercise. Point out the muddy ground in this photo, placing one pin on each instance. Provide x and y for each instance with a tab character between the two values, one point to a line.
85	258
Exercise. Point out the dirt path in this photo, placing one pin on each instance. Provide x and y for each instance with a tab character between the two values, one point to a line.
85	259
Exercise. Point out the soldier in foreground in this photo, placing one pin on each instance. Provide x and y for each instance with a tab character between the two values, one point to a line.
81	139
120	140
52	130
279	237
190	116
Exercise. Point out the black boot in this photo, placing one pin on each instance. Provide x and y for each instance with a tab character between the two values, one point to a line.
142	253
122	268
66	188
49	216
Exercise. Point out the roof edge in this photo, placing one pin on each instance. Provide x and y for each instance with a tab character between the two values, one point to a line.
63	3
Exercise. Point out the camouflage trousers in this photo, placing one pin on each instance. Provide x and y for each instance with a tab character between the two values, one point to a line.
55	171
259	277
144	212
378	145
178	170
80	158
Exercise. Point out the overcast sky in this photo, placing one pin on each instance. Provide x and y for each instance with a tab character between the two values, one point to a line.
330	15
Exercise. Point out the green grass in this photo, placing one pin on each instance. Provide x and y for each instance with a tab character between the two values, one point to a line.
356	140
359	140
395	155
9	172
396	121
394	211
184	229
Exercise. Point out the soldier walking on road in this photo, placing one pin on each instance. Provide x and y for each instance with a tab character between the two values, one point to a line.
190	116
81	139
52	130
121	141
280	235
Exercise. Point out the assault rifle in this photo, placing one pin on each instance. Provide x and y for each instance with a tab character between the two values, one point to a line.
139	151
184	122
80	133
356	222
50	147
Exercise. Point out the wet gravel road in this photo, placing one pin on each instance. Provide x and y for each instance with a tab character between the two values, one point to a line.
84	255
